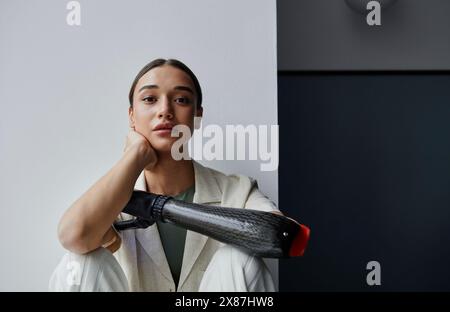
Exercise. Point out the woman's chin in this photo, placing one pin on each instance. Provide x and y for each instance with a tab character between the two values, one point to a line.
162	147
163	144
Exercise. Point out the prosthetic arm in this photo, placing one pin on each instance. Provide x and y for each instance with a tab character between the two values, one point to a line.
263	234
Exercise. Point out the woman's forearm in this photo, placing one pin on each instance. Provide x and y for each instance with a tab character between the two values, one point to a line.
84	225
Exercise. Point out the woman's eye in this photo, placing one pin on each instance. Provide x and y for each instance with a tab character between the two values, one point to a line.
183	100
150	99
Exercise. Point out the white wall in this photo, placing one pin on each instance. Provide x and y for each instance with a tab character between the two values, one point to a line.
63	97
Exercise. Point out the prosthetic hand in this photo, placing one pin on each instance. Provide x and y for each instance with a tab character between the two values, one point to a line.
263	234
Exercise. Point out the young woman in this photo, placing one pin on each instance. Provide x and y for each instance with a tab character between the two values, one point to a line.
162	257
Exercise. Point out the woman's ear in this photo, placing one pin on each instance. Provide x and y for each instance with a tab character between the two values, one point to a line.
131	117
198	118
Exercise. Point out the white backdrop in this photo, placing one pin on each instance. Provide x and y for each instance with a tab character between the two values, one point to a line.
63	97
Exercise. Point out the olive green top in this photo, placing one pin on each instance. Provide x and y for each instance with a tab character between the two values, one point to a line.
173	238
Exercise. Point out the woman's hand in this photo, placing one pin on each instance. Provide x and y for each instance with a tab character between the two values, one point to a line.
86	225
137	141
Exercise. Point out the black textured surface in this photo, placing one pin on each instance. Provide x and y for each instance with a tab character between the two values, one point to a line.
260	233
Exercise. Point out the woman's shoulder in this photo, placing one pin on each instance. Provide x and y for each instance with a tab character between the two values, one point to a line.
238	190
224	179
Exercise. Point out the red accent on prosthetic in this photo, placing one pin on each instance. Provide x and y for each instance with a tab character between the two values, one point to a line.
300	241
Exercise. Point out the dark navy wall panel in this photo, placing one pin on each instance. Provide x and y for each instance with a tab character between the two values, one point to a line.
365	162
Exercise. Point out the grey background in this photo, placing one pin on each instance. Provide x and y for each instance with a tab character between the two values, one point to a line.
328	35
63	96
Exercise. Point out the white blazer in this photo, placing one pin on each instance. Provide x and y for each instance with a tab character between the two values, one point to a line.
142	256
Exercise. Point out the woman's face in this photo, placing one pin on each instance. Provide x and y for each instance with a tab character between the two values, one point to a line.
164	95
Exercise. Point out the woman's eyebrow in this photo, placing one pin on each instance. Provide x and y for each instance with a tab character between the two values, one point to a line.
148	87
184	88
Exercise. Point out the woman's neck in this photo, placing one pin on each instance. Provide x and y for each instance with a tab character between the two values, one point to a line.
169	176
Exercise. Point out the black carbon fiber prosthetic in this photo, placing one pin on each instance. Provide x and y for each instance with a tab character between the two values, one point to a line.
263	234
260	233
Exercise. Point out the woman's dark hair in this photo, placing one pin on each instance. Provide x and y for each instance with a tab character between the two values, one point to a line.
171	62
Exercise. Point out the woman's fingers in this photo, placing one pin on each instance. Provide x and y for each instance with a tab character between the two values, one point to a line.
136	139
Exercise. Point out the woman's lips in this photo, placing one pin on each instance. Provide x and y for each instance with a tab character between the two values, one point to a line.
163	131
164	128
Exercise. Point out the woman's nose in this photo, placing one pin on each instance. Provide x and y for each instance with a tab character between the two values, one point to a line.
165	109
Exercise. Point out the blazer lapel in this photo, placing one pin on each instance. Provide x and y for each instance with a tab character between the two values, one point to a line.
150	240
206	191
